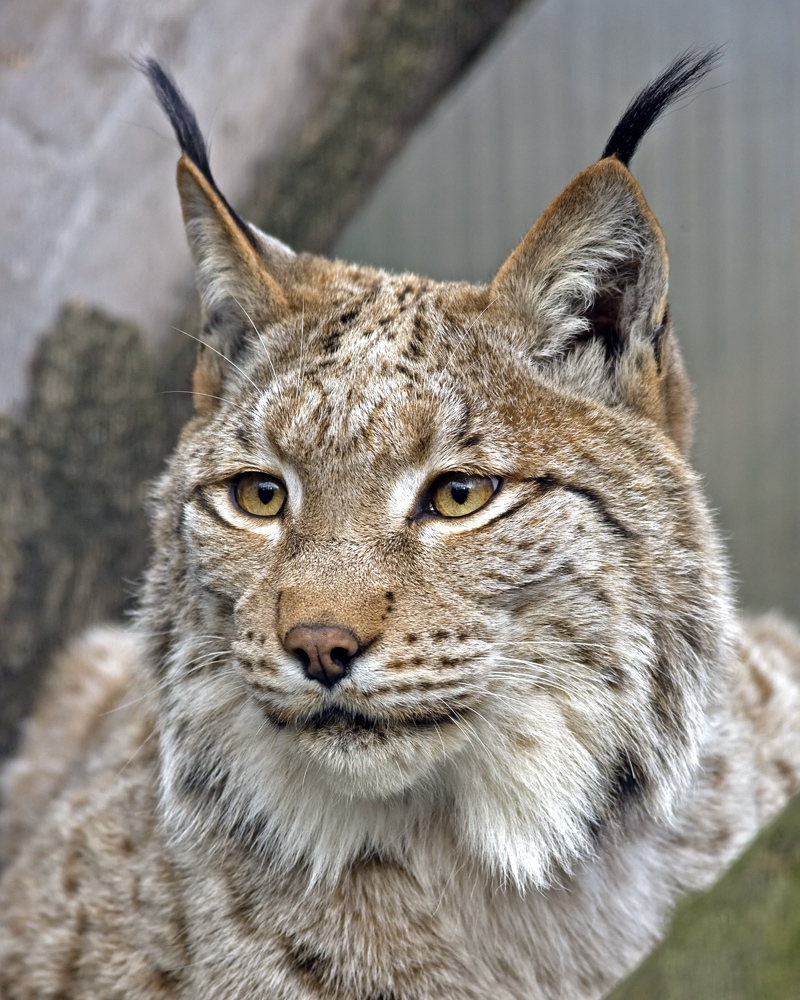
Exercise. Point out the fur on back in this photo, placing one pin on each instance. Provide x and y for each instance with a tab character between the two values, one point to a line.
550	721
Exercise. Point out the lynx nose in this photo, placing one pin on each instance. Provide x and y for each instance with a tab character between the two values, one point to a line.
324	651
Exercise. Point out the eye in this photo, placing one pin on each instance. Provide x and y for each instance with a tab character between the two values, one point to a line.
258	494
456	494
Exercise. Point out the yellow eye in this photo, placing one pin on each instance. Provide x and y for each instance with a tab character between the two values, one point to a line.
456	494
258	494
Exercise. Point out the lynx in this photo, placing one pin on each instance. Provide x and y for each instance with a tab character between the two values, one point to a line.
437	688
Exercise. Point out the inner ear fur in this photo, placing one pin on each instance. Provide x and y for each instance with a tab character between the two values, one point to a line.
241	277
590	283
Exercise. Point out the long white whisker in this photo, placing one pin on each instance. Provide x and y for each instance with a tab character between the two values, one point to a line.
558	642
135	753
453	872
467	331
258	334
197	664
231	363
191	392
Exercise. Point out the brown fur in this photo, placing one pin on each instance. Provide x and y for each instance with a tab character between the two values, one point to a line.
556	723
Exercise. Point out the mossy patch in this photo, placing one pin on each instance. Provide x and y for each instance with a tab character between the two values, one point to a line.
741	939
73	477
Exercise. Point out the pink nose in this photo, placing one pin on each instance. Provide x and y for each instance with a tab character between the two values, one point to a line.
324	651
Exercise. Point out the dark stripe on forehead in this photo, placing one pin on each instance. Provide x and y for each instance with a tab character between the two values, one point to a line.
547	483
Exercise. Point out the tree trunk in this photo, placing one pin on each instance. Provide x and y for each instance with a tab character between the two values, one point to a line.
349	79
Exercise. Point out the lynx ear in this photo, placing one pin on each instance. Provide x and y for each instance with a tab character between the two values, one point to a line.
590	281
242	274
232	258
590	278
592	272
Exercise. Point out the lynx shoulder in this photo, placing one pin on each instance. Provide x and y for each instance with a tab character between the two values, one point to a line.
437	688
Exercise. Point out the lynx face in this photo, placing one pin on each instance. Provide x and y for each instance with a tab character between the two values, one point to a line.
433	548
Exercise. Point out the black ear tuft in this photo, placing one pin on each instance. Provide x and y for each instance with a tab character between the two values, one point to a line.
675	82
181	116
187	131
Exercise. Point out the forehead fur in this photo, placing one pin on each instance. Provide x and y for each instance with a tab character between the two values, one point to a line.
369	369
362	355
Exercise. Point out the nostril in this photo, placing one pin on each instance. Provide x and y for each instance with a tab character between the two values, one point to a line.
341	657
303	657
323	651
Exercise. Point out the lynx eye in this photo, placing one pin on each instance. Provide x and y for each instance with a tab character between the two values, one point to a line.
456	494
258	494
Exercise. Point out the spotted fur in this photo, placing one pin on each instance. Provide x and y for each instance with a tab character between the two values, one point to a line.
555	723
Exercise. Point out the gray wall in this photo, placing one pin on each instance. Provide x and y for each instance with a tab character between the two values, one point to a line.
723	177
88	207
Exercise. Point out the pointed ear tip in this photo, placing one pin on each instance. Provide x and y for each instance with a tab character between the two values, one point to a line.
186	170
613	160
593	180
612	166
197	195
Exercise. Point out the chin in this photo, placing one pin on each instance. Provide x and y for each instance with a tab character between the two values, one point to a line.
376	758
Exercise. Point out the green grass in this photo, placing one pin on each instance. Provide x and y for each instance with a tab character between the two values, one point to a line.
741	939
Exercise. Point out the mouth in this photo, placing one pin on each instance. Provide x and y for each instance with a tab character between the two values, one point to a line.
340	719
337	719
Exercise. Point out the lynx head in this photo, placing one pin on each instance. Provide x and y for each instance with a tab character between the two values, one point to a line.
430	556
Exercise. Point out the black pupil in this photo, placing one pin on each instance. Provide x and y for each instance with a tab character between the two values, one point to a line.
266	491
459	492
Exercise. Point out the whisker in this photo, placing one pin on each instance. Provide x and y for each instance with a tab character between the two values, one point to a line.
453	872
224	358
470	733
258	334
191	392
196	665
467	331
135	753
573	644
